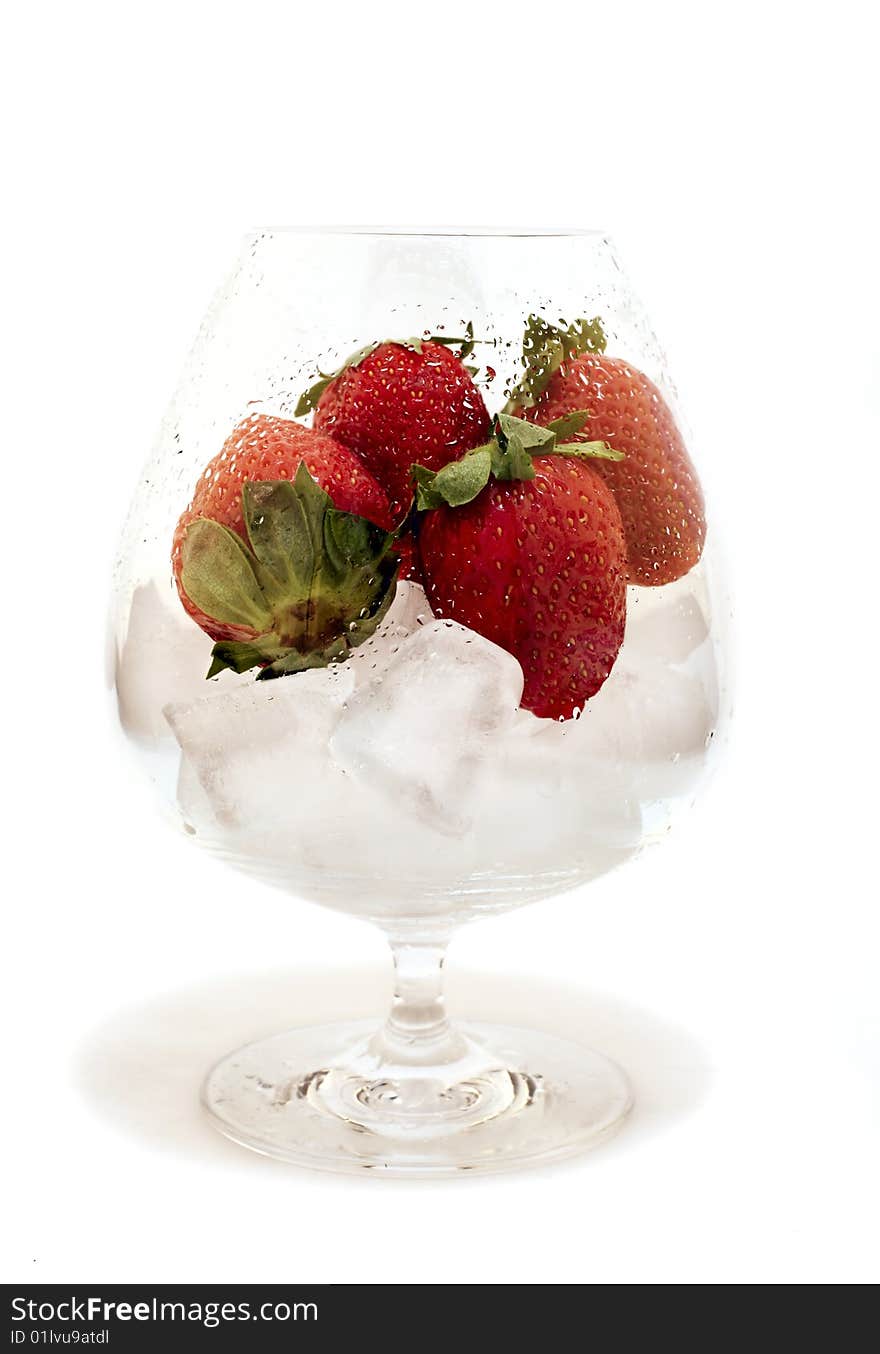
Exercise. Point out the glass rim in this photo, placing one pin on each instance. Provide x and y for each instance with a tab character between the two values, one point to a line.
440	232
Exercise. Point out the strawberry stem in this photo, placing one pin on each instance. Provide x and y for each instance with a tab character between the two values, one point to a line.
508	456
545	348
310	398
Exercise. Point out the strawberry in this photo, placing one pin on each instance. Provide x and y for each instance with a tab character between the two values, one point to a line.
264	447
397	403
655	485
525	545
283	573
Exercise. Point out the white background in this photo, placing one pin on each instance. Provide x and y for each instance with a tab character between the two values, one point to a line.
731	152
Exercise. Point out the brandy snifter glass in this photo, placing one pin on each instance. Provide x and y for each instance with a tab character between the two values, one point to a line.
416	617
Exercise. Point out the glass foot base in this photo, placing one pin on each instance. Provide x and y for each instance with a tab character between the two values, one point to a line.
339	1098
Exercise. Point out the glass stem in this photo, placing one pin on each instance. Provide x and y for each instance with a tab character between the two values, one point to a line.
418	1031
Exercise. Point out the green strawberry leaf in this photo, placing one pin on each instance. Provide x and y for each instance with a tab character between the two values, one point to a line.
569	424
240	656
528	434
457	483
293	661
587	451
220	576
465	345
586	336
351	544
426	497
309	399
517	442
517	461
284	523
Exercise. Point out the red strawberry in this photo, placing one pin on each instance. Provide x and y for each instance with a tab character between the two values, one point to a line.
395	404
264	448
536	565
656	485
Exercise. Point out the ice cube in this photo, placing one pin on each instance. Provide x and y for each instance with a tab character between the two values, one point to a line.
407	613
162	660
410	608
252	754
653	723
664	625
423	730
551	810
